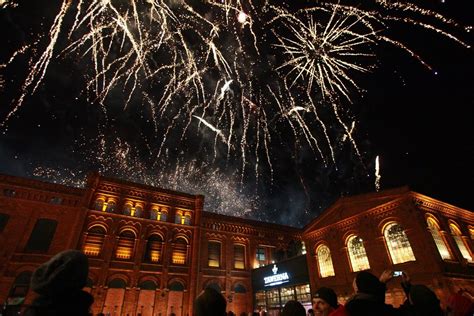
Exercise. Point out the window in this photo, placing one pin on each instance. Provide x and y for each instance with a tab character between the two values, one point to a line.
117	284
138	211
177	286
177	218
240	289
260	255
357	254
456	232
239	257
21	285
125	245
397	243
214	254
99	204
324	259
56	200
127	209
3	221
147	285
41	236
153	249
187	219
159	214
438	239
471	232
9	192
180	251
93	241
110	207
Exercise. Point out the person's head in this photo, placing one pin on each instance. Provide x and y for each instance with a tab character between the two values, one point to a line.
293	308
366	282
424	301
210	303
310	312
324	301
64	273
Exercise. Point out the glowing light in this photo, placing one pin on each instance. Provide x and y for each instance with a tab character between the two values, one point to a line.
242	17
377	174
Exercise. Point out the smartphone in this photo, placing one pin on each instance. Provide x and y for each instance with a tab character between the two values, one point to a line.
397	273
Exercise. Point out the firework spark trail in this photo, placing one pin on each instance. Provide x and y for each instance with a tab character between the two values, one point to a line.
345	136
377	174
38	71
181	59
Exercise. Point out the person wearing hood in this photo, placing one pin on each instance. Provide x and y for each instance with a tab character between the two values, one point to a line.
58	283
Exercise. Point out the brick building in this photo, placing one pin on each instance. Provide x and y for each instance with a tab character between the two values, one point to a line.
152	250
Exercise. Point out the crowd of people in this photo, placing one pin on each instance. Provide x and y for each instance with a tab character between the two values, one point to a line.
59	283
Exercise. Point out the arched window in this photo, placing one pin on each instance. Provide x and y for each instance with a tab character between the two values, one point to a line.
117	284
471	232
125	245
397	243
187	219
99	204
438	239
214	254
357	254
110	206
456	232
180	251
239	257
176	286
215	286
178	217
147	285
93	241
138	211
154	246
127	209
239	288
324	259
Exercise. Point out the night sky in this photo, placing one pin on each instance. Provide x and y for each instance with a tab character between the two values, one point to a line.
419	122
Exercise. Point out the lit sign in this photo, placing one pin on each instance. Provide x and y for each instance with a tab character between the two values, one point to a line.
276	279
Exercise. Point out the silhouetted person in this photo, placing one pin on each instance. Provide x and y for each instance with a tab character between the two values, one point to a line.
59	283
210	303
369	299
293	308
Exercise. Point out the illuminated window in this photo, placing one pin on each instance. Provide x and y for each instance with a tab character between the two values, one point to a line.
127	209
438	239
180	251
187	219
159	214
456	232
153	249
260	255
110	206
214	254
138	211
239	257
471	232
93	241
99	204
398	244
325	265
357	254
125	245
178	218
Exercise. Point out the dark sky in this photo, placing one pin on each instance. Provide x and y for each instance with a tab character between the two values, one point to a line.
418	121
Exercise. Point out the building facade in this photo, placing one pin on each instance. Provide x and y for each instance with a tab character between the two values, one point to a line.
152	250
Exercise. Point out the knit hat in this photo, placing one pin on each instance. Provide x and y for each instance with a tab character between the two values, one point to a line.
368	283
65	272
293	308
327	295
